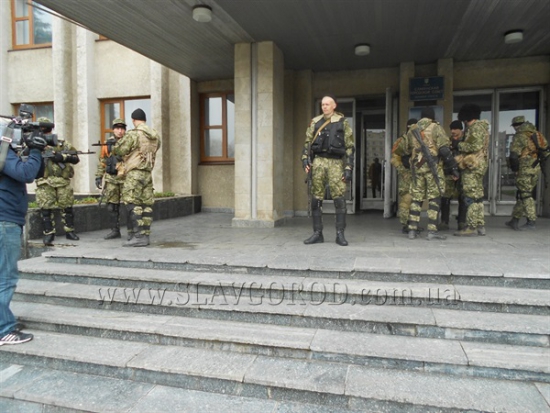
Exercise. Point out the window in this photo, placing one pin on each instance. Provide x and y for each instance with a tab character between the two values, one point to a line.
31	26
121	108
41	110
217	128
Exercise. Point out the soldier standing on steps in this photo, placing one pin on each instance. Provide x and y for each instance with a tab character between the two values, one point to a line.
106	178
54	191
329	153
527	154
138	150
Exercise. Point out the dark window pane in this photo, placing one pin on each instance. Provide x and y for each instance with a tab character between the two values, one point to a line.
42	23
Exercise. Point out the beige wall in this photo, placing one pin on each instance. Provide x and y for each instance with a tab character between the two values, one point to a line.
217	183
30	76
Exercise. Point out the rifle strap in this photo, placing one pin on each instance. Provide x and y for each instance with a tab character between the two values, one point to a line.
319	130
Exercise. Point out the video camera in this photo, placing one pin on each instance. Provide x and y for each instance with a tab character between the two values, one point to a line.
18	131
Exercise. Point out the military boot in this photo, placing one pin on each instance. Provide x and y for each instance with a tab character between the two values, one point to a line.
316	214
114	221
413	233
129	224
340	209
139	239
48	227
513	223
466	232
68	218
481	231
445	209
529	226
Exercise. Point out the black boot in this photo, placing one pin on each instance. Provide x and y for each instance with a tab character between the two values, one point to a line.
513	223
528	226
129	224
68	220
48	227
462	210
340	209
317	215
445	210
114	221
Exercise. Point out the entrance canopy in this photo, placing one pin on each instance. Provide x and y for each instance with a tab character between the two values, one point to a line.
320	35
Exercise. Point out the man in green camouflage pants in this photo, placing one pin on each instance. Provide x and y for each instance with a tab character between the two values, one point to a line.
138	150
473	164
107	179
329	142
425	183
529	148
401	162
53	190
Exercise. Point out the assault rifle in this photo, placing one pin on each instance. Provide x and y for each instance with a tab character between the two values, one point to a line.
427	157
50	153
309	180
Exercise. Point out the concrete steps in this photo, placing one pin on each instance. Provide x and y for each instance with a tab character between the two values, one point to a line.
292	342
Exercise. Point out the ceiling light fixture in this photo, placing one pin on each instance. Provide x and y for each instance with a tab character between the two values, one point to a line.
513	36
362	50
202	13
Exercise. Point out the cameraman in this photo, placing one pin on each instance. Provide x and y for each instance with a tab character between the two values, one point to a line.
54	189
13	207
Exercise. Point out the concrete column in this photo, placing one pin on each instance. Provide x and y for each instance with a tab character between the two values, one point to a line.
5	46
86	107
406	71
259	130
445	69
159	119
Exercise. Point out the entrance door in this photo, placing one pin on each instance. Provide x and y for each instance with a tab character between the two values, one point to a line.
499	107
377	186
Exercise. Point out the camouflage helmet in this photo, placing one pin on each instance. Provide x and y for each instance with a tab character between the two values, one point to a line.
518	120
118	121
43	119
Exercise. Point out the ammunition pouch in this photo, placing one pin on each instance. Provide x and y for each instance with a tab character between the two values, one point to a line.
514	161
110	165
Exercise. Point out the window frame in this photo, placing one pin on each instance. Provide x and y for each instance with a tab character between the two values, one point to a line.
107	129
35	105
30	19
215	160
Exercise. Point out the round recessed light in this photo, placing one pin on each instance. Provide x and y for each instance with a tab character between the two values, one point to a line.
202	14
362	50
512	37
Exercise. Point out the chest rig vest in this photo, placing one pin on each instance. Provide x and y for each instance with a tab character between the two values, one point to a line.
330	140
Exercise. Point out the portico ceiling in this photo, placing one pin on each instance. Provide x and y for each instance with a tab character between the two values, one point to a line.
316	34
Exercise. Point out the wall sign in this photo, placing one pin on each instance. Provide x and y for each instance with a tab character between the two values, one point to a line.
426	88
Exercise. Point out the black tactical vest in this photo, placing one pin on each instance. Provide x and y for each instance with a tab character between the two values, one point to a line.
330	141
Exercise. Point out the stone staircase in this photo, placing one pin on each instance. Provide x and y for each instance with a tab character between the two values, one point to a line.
141	336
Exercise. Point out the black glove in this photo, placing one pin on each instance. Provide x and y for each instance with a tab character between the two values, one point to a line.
57	157
406	161
37	142
98	182
454	144
347	175
455	173
305	163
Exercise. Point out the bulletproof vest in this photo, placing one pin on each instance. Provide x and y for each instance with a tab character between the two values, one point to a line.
331	139
144	157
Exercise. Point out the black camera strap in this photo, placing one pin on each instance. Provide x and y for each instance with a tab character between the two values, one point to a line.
4	148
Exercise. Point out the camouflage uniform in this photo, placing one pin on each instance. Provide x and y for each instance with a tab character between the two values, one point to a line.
424	185
112	182
473	163
523	161
138	150
54	191
404	182
333	150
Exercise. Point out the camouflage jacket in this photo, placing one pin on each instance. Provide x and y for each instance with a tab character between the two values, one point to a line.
524	147
475	146
53	170
137	148
104	157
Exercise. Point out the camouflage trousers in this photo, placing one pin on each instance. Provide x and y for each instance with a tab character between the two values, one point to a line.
405	197
452	188
112	192
144	217
525	204
472	192
52	197
425	187
138	188
327	171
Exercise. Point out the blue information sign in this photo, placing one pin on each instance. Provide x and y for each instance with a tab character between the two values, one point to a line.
426	88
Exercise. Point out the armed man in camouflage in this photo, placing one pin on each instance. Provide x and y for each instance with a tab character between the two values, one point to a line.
528	153
138	150
473	162
452	186
53	190
106	178
429	149
329	152
401	162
